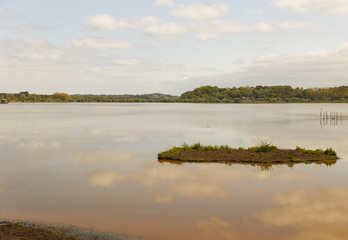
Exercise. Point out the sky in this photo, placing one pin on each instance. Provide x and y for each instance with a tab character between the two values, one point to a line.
170	46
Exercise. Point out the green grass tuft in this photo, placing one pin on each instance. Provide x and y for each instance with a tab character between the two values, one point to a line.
264	147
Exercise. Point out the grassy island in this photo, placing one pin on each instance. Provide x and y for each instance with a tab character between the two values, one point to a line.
263	153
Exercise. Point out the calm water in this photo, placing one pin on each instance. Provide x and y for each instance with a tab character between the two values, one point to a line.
95	166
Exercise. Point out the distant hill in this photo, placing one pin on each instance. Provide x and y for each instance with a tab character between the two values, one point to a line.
153	97
64	97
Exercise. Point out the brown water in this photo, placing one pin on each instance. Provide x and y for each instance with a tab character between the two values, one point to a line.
95	166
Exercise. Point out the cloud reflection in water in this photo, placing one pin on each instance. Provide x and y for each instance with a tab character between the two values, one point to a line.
216	228
320	215
193	180
96	163
90	158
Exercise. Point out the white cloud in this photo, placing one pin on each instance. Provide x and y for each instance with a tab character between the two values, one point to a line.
126	139
255	11
143	22
24	27
5	12
166	30
90	42
109	23
263	27
32	49
66	67
216	28
293	25
332	7
207	36
287	25
31	55
127	62
34	41
153	27
305	69
198	11
203	29
105	22
168	3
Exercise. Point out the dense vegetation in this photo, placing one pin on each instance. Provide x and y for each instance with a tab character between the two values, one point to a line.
265	94
262	147
263	153
205	94
64	97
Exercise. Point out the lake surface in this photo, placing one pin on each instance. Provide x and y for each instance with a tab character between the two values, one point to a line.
95	166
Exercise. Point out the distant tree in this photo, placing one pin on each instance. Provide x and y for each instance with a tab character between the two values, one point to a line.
61	97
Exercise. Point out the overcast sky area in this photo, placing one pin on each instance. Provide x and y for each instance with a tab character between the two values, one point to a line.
170	46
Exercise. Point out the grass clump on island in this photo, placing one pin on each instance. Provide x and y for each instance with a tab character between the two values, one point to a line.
263	153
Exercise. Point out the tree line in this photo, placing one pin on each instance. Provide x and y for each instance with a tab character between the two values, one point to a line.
204	94
66	98
266	94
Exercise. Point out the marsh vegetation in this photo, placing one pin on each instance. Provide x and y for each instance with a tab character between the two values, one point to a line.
263	153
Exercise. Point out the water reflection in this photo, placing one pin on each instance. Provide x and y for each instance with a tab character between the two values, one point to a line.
258	166
163	199
180	181
4	188
216	228
321	214
330	118
95	166
90	158
324	122
197	180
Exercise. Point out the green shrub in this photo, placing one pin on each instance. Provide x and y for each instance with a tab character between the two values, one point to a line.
197	146
330	152
300	149
264	147
185	147
316	151
175	151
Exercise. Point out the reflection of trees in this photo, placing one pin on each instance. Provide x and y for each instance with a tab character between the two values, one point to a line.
259	166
